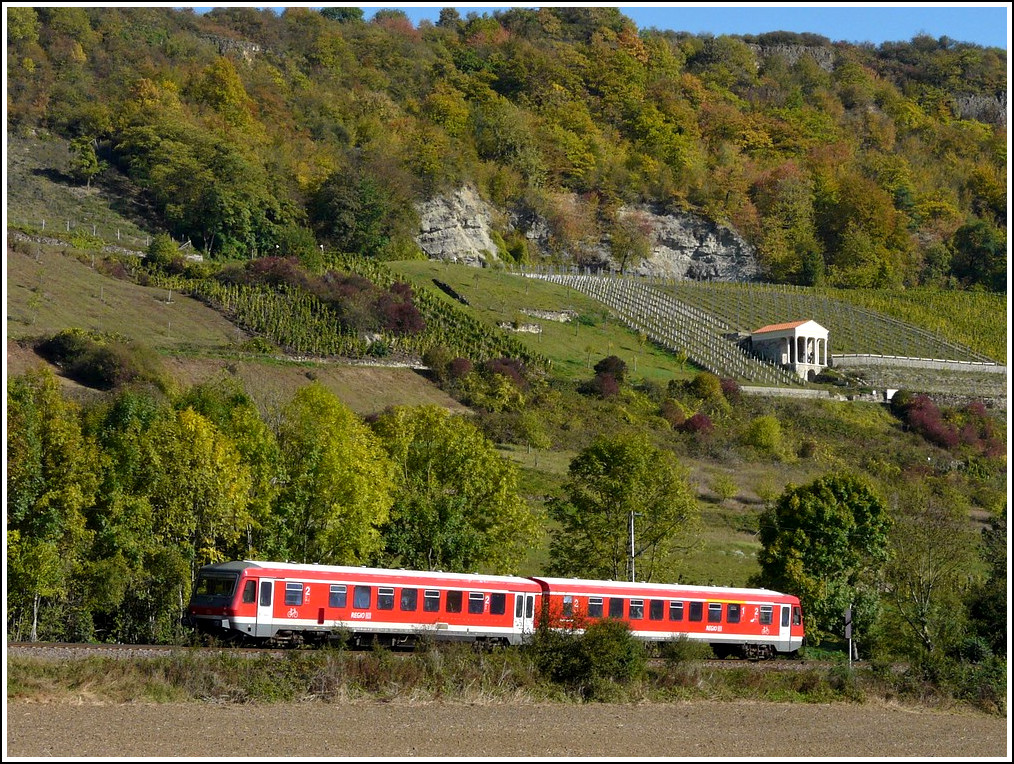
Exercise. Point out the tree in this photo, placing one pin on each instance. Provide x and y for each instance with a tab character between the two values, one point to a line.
980	256
200	489
51	481
342	14
608	481
825	542
85	163
234	413
162	250
932	546
338	483
988	601
457	505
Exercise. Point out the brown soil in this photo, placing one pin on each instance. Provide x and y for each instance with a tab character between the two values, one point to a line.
373	729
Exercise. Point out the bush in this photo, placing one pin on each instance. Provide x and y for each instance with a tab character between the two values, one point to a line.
613	365
765	435
606	652
698	424
673	413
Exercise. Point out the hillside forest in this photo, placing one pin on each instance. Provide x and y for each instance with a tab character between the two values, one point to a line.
252	132
290	151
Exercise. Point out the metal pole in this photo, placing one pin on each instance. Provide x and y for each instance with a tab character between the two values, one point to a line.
633	578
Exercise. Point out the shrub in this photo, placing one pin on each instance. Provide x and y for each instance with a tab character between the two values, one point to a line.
459	368
764	434
673	413
698	424
707	387
605	652
613	365
162	250
604	385
730	389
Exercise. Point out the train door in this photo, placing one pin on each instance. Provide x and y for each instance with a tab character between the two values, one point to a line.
265	598
524	614
784	628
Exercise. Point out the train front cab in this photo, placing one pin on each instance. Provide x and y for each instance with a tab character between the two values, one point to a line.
214	606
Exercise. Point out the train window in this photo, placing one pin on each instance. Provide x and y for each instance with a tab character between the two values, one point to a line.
385	598
765	615
409	597
637	609
615	607
655	610
675	610
529	606
497	603
797	616
265	592
215	586
337	596
293	593
250	591
568	605
732	612
519	605
696	611
714	612
431	600
594	607
453	602
785	615
476	602
361	597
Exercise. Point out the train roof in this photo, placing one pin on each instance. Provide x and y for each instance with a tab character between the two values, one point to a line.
629	587
293	568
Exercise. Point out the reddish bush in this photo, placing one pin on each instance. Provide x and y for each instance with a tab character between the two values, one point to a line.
613	365
605	385
730	389
511	368
459	368
698	424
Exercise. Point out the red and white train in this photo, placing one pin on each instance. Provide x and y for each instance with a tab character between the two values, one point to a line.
278	602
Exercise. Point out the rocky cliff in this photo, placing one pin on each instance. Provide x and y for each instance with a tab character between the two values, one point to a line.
459	227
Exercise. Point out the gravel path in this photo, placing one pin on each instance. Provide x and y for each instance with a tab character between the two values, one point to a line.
372	729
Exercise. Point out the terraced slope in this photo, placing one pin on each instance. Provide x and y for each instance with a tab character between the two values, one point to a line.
702	320
677	326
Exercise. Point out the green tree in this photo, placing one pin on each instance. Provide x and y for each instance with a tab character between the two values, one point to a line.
608	482
825	542
980	255
235	415
51	481
162	250
338	481
342	14
457	505
200	489
85	163
988	600
932	546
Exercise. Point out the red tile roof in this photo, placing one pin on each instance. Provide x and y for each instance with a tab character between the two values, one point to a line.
781	327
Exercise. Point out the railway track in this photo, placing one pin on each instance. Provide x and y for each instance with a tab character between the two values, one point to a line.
83	650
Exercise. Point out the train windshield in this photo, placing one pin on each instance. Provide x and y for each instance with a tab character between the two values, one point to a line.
214	588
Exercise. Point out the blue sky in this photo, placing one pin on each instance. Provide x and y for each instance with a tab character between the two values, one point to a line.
986	24
981	23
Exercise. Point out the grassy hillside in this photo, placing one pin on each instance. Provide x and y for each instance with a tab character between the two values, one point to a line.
56	282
